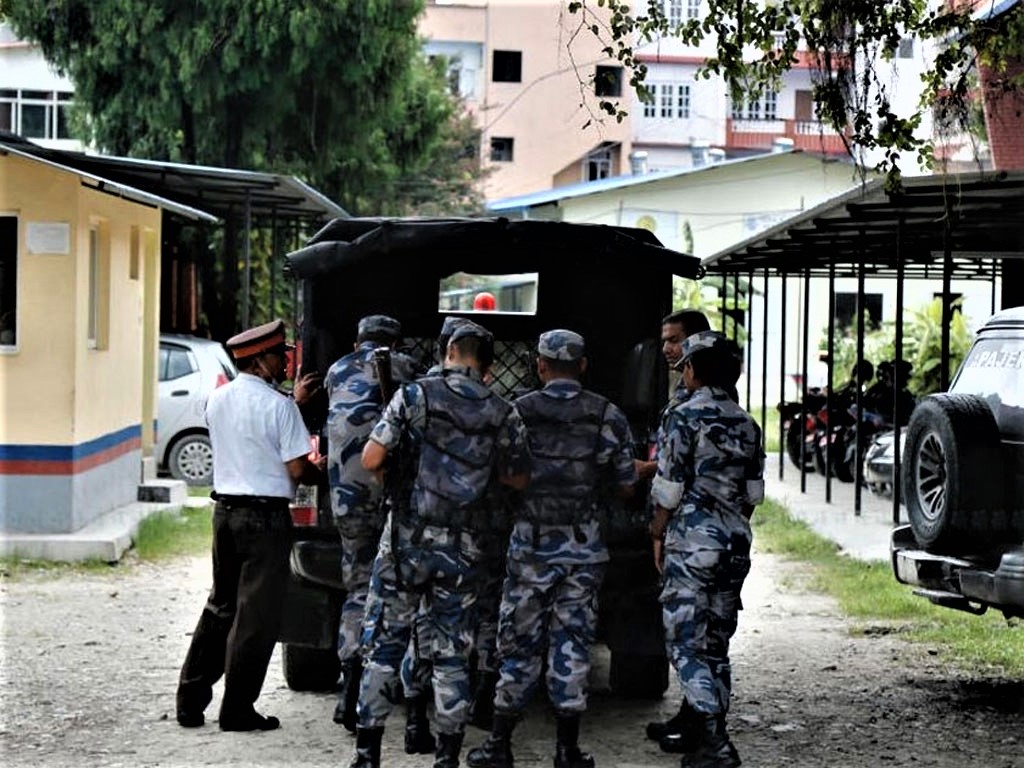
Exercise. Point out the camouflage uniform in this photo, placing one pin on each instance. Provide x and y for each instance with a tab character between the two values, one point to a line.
557	556
354	408
466	434
710	466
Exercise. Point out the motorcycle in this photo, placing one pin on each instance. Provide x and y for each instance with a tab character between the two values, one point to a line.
800	425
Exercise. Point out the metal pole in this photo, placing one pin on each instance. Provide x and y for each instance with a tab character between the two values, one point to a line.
947	309
806	339
247	260
725	306
764	364
994	276
273	261
830	368
782	372
750	328
897	381
858	470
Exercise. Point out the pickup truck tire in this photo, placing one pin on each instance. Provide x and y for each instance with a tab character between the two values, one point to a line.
636	676
952	474
310	669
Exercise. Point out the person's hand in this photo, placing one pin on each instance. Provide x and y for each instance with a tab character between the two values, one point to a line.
645	469
321	463
658	545
306	386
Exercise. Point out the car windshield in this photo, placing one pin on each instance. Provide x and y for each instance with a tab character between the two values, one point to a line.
994	369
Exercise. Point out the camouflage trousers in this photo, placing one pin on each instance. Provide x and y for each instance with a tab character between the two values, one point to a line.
547	609
417	667
439	570
707	558
358	550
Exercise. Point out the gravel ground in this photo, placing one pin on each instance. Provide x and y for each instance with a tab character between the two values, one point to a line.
90	663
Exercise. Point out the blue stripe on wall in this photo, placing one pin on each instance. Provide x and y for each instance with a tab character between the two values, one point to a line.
69	452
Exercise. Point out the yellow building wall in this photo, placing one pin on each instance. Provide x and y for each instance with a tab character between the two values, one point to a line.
37	384
54	389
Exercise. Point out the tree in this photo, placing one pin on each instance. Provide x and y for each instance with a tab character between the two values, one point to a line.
757	41
336	92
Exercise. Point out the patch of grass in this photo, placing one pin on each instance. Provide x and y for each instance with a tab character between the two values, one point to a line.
15	567
168	534
868	593
200	491
769	426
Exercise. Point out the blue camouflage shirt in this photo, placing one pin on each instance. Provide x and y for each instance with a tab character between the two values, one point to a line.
354	407
407	414
582	543
709	453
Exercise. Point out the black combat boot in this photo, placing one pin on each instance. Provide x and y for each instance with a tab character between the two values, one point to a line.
496	751
656	731
567	750
348	696
682	733
448	747
715	749
367	748
418	738
481	710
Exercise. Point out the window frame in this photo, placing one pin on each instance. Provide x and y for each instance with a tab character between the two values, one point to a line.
10	286
511	143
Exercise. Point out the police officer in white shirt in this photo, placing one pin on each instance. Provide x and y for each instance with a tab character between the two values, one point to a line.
260	448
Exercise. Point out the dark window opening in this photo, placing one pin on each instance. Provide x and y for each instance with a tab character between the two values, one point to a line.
608	82
8	280
501	149
507	67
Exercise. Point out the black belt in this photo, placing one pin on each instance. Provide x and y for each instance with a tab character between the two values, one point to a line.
257	502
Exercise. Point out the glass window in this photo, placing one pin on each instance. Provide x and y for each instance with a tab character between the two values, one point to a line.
667	106
7	116
507	67
178	363
692	9
502	149
994	369
674	12
8	280
682	100
608	82
33	121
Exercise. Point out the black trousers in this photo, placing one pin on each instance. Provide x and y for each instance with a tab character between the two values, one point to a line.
239	625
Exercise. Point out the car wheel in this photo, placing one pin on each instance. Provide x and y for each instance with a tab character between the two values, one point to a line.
191	460
952	473
638	676
310	669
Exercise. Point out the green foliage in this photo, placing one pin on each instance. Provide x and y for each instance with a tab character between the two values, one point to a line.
922	346
705	295
847	43
868	592
336	92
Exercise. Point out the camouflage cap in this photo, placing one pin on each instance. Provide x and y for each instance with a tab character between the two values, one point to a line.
451	323
469	328
380	325
561	344
702	340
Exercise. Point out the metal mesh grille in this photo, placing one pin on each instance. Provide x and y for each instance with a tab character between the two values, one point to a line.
513	369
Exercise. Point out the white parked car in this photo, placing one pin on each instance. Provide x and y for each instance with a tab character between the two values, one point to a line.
190	369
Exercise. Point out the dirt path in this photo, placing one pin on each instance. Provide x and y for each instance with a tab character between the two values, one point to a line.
89	665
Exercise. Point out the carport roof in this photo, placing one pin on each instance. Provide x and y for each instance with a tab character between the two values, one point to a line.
979	217
220	192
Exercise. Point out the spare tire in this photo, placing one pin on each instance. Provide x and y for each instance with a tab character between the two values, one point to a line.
952	474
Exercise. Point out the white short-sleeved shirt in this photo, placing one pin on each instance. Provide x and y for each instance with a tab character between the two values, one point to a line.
254	430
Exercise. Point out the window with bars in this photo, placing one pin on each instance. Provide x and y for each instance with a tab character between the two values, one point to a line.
764	108
671	101
674	12
35	114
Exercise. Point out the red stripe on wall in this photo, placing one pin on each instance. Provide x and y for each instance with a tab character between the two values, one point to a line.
37	467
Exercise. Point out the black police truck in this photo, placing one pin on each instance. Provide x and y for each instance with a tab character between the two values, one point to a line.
611	284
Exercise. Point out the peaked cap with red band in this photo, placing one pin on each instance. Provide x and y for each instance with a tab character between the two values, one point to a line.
262	338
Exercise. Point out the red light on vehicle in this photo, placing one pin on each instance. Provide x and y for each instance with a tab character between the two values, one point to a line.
303	515
221	380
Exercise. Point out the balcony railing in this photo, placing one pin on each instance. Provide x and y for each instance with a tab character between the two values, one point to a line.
809	135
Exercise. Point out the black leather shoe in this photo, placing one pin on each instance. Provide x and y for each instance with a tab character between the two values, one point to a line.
187	719
252	721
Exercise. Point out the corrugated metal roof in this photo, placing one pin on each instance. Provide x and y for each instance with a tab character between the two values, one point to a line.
220	192
619	182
